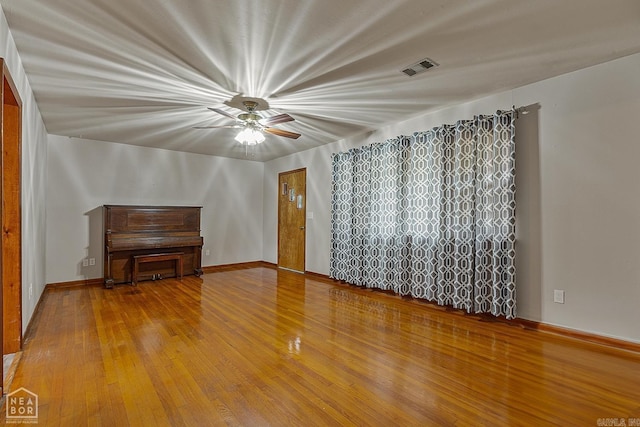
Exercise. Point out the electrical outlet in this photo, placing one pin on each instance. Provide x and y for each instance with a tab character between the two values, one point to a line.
92	261
558	296
31	291
85	262
207	252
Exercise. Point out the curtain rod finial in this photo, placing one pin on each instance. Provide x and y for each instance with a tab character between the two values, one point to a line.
520	110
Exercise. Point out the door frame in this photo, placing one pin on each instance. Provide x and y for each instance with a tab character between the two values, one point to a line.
11	215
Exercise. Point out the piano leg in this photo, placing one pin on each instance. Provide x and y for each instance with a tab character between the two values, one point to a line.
198	254
108	278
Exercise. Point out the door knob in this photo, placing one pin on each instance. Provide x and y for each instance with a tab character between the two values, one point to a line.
302	228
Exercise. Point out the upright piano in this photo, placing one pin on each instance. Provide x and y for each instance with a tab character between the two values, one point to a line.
134	231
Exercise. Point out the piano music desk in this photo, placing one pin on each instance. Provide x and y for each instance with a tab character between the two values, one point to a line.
139	259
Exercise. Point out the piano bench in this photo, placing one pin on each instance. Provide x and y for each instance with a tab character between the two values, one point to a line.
171	256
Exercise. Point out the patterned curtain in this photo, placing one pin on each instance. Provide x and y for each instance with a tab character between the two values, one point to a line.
431	215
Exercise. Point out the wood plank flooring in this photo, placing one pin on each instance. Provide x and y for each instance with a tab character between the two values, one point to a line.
259	347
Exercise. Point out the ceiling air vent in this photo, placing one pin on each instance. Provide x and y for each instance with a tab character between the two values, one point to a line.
419	67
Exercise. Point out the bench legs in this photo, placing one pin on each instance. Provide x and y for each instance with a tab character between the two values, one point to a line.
139	259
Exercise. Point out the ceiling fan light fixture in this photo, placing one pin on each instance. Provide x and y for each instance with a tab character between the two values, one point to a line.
253	125
250	136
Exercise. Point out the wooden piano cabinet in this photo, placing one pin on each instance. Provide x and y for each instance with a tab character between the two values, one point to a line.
135	231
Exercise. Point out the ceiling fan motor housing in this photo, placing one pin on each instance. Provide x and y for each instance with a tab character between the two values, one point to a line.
249	117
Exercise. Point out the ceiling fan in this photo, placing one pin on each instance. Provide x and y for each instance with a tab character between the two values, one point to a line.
253	125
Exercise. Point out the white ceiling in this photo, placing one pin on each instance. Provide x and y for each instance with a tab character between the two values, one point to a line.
143	72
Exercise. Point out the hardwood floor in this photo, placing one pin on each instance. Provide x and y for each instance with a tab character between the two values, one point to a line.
266	347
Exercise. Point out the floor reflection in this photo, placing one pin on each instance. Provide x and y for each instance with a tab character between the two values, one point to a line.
290	311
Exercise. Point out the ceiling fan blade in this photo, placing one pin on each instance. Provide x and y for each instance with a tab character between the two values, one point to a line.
218	127
280	132
274	120
224	113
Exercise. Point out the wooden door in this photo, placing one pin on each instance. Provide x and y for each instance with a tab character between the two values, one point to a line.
292	202
10	214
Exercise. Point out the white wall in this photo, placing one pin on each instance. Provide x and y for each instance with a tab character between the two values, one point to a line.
34	152
83	175
578	209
